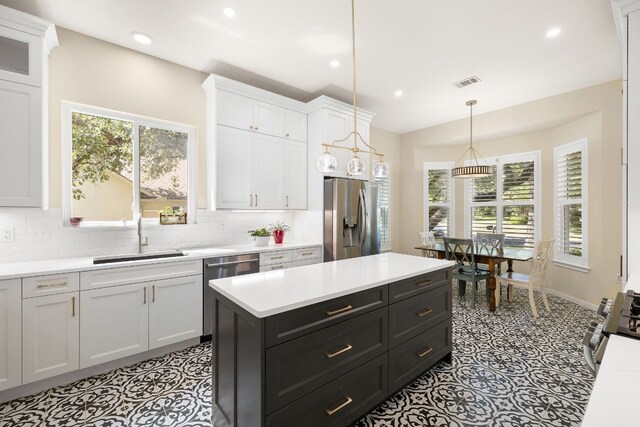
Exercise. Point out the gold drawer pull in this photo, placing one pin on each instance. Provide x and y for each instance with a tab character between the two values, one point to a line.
51	285
425	352
340	406
277	257
277	267
340	310
424	312
306	253
342	350
424	283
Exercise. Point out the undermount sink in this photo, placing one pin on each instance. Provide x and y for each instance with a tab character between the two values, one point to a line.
136	257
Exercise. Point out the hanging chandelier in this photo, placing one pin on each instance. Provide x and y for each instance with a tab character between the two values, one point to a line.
473	169
327	162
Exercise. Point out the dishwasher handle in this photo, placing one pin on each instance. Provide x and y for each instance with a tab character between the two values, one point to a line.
224	264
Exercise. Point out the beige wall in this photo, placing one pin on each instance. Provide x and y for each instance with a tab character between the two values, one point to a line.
93	72
594	113
388	143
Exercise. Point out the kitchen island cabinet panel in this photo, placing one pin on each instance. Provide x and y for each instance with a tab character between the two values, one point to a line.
302	365
286	326
415	356
416	285
341	401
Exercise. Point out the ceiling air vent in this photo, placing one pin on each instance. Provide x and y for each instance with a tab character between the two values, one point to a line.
468	81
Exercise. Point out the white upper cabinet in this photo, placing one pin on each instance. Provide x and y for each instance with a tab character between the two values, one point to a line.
295	125
25	44
10	334
295	179
247	135
268	118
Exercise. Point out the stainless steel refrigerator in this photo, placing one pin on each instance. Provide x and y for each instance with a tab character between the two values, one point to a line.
350	219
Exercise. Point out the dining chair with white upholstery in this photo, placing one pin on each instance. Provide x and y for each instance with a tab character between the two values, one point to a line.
535	278
428	241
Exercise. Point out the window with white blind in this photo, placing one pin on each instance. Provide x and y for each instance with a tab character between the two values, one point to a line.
570	197
507	201
384	203
438	199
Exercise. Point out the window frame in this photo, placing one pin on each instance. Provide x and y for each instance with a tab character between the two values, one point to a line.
561	259
387	246
500	203
68	108
451	220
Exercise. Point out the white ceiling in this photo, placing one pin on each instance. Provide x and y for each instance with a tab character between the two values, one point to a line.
418	46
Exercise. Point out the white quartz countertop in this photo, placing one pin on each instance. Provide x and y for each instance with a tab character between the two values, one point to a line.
14	270
272	292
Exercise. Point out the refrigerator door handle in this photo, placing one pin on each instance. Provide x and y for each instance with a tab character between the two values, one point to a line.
363	218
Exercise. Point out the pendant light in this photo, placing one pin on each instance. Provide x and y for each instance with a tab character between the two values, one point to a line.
473	169
356	166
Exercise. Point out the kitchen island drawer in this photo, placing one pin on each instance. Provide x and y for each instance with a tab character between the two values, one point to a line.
415	356
415	285
286	326
278	257
340	402
412	316
300	366
50	285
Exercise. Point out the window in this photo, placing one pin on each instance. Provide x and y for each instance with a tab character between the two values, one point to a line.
570	196
507	200
384	224
439	200
117	165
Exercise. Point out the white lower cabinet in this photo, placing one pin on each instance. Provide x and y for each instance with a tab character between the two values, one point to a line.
50	336
10	336
175	311
114	323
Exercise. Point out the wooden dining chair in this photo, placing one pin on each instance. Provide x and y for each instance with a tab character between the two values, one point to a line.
490	243
462	251
535	278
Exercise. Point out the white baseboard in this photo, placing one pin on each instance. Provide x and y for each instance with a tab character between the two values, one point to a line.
38	386
585	304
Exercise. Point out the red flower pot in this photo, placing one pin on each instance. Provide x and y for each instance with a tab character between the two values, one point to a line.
278	236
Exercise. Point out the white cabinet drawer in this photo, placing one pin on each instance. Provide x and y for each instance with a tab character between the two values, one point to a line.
280	266
50	285
306	253
279	257
306	262
144	273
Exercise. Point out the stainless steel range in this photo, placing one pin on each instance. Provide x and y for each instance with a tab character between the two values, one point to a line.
622	317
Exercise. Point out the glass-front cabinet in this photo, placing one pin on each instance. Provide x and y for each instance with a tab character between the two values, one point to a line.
20	57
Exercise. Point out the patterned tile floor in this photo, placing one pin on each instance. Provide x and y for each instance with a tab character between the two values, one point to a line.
508	370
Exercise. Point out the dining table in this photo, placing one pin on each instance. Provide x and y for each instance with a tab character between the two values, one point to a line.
490	256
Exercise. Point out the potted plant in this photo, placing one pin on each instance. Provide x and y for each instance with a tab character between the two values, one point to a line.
278	229
261	236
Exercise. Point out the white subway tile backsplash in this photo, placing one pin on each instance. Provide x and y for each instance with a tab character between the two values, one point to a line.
41	235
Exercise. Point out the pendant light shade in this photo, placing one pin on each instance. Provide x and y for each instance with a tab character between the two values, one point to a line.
356	166
473	168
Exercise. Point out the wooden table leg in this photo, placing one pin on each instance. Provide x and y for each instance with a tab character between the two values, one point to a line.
510	286
492	285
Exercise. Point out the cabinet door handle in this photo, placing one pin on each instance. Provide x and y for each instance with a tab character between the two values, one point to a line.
153	293
250	199
424	312
144	298
425	352
424	282
340	406
287	197
251	127
278	267
256	128
340	310
342	350
256	200
51	285
277	257
73	306
306	253
287	135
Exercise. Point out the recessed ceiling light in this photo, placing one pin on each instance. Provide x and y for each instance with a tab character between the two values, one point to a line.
335	63
141	38
398	93
230	12
554	32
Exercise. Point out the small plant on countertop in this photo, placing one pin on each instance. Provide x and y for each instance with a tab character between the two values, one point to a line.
279	226
260	232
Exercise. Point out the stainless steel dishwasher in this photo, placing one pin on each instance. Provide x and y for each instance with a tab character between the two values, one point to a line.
219	268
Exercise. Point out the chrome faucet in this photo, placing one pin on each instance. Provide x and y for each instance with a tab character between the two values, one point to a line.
146	239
